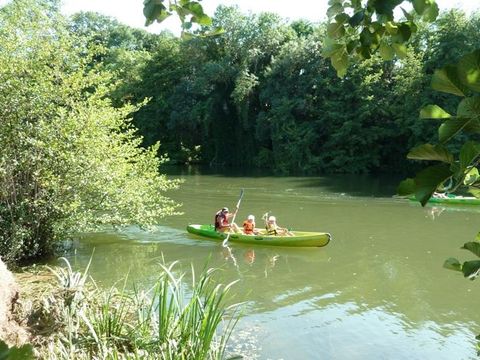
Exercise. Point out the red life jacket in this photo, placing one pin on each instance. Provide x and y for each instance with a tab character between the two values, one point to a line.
220	220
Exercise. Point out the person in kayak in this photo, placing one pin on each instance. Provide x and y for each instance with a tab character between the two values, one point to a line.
221	221
273	229
249	226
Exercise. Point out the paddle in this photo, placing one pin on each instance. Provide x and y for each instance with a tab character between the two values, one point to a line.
234	216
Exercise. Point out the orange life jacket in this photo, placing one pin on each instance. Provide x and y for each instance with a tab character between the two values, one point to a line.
248	227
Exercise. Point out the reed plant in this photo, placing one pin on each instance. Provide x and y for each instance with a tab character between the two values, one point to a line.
170	320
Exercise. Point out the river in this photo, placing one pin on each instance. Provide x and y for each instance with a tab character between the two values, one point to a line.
377	291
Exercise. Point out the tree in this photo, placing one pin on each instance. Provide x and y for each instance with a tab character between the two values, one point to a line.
69	160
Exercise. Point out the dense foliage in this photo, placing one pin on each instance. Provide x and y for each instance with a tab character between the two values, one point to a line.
263	95
69	160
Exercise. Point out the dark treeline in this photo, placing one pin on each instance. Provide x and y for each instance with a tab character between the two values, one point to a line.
261	95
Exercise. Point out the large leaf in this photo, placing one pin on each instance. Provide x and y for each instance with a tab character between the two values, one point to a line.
400	50
431	12
406	187
154	11
334	10
469	107
357	18
335	30
391	28
452	264
431	152
386	52
428	180
471	177
332	49
420	6
469	152
473	247
470	269
446	80
342	18
451	127
469	70
433	112
475	192
340	63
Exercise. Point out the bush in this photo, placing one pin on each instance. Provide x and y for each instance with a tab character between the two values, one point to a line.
69	161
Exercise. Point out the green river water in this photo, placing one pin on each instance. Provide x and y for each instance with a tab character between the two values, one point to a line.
377	291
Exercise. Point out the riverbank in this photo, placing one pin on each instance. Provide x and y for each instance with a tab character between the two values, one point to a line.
64	315
12	331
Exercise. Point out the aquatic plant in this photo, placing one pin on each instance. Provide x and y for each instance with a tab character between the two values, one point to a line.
170	320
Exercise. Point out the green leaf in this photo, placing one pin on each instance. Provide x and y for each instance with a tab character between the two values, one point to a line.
340	63
406	187
357	18
431	152
473	247
469	107
332	49
366	37
475	192
202	20
386	52
335	9
431	12
335	30
385	7
469	152
217	31
404	32
419	6
428	180
446	80
433	112
469	70
471	177
451	127
400	50
470	269
391	28
342	18
351	46
452	264
154	11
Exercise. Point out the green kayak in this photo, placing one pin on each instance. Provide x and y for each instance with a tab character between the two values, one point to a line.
454	200
299	238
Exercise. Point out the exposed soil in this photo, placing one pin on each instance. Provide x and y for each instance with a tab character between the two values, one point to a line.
11	331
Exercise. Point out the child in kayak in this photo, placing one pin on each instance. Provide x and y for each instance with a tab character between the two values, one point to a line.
274	229
249	226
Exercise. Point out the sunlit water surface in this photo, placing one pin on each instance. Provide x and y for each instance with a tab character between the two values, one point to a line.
377	291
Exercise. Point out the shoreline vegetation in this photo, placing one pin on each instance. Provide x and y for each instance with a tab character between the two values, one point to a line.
63	314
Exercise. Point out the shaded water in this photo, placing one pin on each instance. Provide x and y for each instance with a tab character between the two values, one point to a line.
377	291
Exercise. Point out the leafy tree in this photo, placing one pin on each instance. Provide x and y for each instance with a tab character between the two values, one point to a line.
69	160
